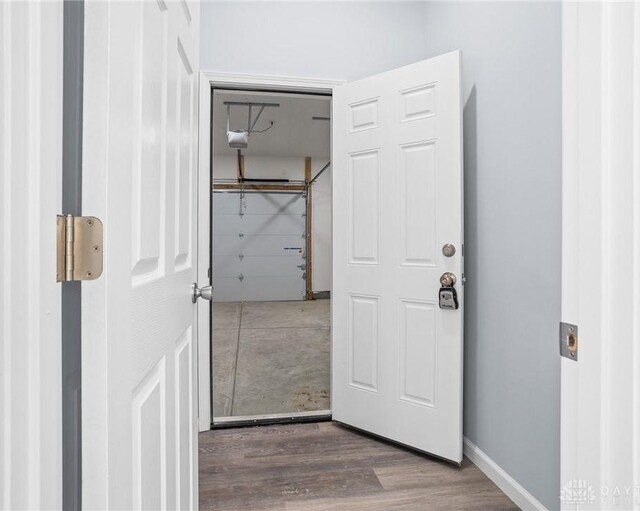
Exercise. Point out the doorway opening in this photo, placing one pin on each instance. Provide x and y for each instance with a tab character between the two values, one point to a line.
271	256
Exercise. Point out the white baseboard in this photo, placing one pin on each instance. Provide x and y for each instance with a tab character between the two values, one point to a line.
514	490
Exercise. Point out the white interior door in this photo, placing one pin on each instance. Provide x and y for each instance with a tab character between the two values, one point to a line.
397	188
139	412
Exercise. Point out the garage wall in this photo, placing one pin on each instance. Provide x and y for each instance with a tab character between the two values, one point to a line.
512	152
225	167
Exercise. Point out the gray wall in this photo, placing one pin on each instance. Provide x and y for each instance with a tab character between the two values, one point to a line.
512	116
512	149
338	40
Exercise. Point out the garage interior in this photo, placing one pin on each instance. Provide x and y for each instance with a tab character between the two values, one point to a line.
271	246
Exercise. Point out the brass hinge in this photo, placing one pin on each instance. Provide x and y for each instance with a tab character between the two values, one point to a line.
79	248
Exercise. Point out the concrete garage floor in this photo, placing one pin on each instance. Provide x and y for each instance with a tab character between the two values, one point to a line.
271	357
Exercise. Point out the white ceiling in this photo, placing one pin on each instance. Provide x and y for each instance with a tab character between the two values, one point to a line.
294	133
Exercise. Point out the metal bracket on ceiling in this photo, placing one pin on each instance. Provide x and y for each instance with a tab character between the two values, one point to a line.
251	121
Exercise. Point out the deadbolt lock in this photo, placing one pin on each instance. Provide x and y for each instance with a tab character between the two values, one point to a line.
448	250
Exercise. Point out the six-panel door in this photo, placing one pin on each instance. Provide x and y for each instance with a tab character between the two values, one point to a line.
397	194
139	339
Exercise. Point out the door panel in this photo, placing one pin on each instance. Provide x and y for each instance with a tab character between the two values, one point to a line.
184	173
147	203
397	188
149	441
186	441
140	139
363	342
364	212
418	193
418	351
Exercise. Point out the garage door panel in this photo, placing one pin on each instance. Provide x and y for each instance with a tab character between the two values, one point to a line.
252	203
269	225
258	289
274	203
259	246
262	266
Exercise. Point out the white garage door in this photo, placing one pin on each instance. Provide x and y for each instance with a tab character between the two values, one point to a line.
259	246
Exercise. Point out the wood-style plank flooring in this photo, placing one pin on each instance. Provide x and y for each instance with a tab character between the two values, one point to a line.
325	466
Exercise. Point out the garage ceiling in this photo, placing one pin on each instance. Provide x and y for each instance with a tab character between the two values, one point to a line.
294	132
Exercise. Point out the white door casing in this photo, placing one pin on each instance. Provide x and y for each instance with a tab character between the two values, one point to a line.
31	80
397	199
139	331
600	403
205	313
209	80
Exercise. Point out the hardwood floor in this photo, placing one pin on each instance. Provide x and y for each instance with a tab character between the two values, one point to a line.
324	466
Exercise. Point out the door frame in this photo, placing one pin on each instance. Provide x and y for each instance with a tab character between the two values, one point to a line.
209	80
600	253
31	183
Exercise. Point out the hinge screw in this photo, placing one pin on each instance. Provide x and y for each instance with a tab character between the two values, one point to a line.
90	223
96	248
89	274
